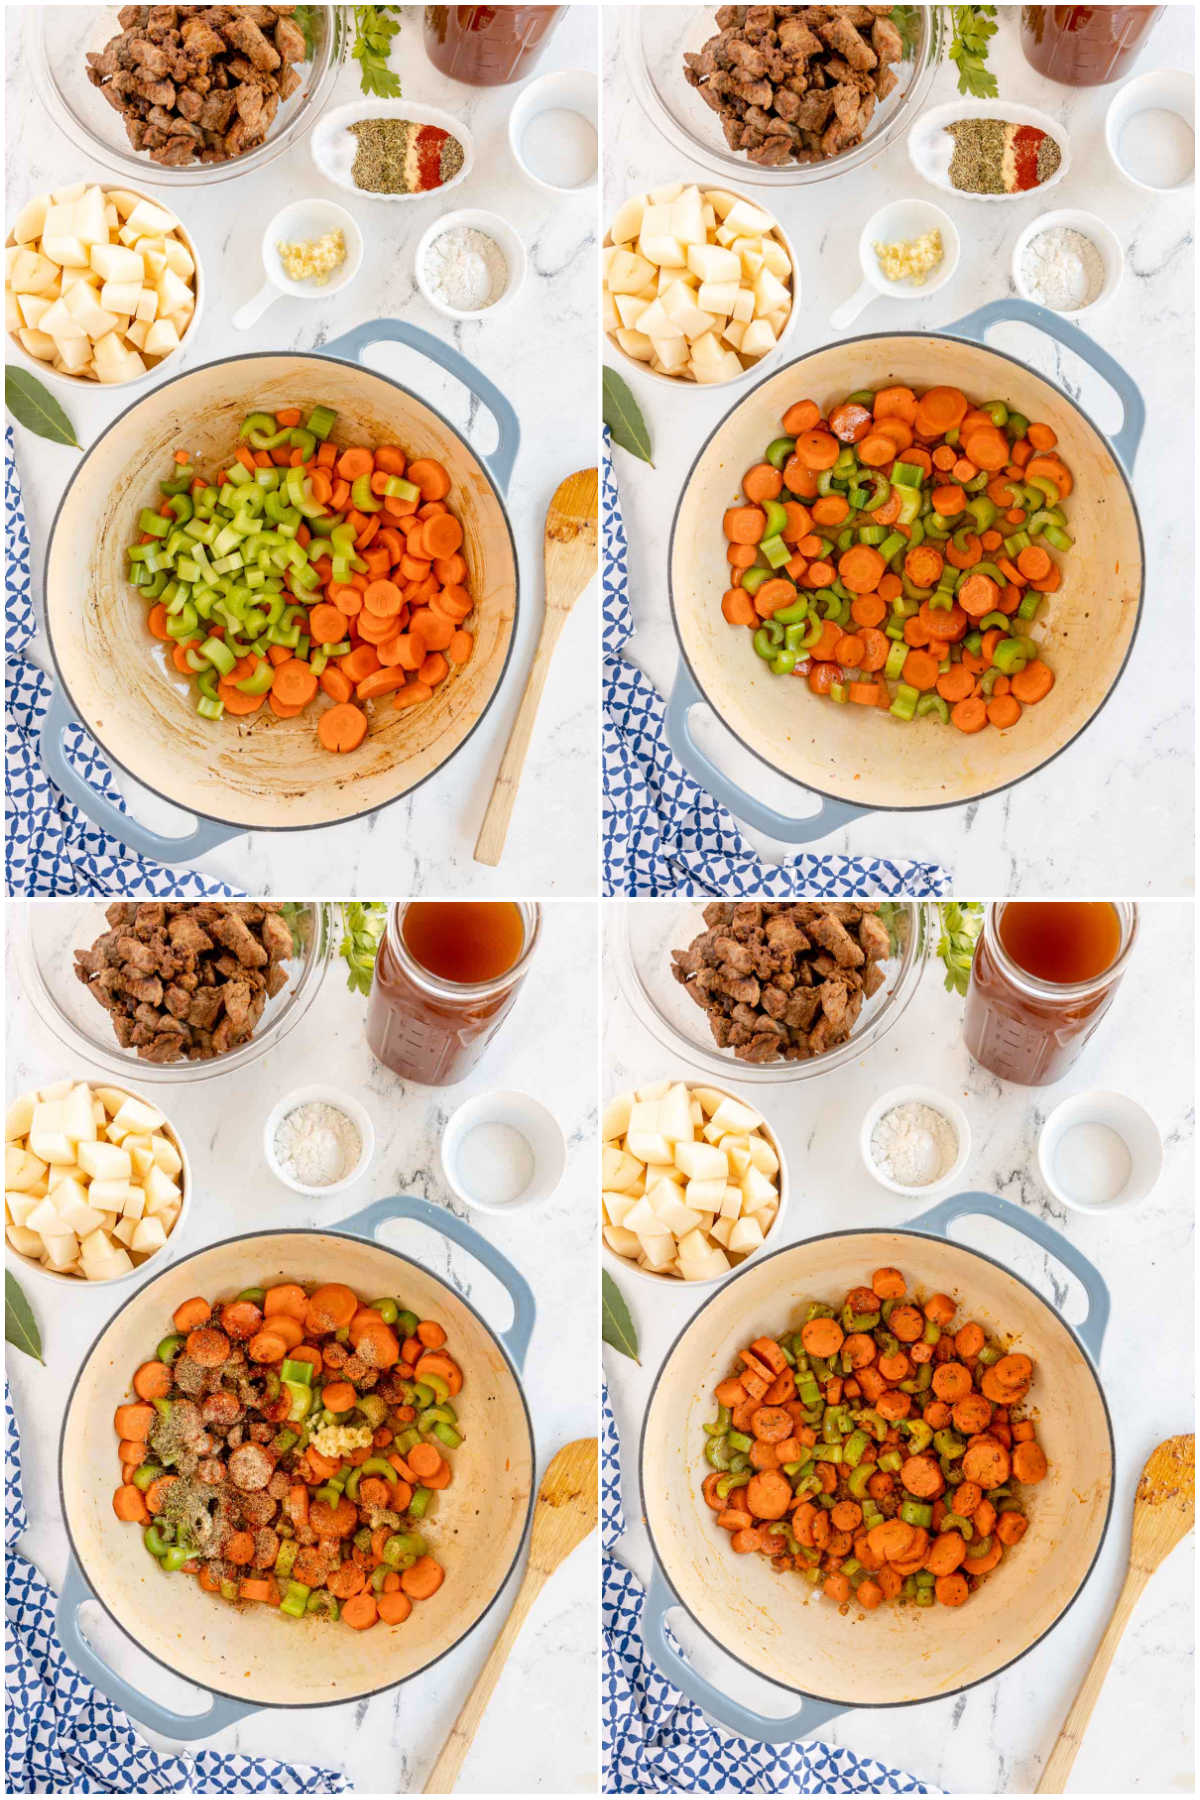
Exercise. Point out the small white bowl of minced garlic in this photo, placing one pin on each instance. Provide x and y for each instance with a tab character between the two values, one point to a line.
310	250
914	1140
906	251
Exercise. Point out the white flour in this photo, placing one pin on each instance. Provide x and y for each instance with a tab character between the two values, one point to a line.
913	1144
316	1144
1062	269
466	269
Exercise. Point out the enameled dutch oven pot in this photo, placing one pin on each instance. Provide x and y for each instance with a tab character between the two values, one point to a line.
261	773
859	759
251	1657
777	1626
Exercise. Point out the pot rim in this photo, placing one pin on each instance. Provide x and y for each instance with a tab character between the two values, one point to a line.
248	1237
221	362
982	1255
928	337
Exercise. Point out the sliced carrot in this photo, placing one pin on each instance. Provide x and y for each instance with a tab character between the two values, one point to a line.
430	477
969	715
326	624
413	694
1003	710
342	728
294	681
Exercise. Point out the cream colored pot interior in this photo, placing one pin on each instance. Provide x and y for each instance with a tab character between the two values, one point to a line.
261	771
253	1653
774	1623
860	753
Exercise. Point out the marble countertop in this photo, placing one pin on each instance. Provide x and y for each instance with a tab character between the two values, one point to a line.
423	843
1126	785
539	1733
995	1738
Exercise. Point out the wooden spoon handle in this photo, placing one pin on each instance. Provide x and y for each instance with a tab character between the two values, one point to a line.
1066	1746
489	845
445	1771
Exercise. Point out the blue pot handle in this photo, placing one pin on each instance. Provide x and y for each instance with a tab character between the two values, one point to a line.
206	835
448	1224
975	325
736	1718
990	1206
833	814
351	345
148	1712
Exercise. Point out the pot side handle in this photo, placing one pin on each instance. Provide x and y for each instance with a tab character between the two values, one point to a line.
185	1726
205	836
351	345
990	1206
736	1718
976	324
831	816
448	1224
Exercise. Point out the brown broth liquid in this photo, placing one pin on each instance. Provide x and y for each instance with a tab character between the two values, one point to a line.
1033	1038
1063	941
464	941
468	947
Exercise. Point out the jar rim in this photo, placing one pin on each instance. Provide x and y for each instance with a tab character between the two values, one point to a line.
1036	985
438	985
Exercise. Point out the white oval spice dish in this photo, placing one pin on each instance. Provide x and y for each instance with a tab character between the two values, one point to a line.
931	148
334	145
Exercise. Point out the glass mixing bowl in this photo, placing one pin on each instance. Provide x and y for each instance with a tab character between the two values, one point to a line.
643	933
57	38
53	930
654	39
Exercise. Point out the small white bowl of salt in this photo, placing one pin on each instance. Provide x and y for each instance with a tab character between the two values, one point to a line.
470	263
503	1150
318	1141
914	1139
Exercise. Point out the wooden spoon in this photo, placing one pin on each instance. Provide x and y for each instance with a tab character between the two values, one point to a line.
564	1515
1164	1511
570	557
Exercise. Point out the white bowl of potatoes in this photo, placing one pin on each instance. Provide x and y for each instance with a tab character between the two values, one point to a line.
700	284
693	1182
96	1181
101	284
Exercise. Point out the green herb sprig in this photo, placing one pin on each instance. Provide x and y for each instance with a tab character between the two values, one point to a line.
374	29
962	921
974	28
364	921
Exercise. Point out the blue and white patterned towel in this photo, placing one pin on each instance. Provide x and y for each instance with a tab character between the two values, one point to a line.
51	848
62	1737
663	833
658	1742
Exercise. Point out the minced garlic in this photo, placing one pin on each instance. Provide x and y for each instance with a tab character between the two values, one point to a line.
339	1440
911	261
314	261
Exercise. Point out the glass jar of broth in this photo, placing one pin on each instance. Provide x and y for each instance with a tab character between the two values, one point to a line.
488	46
1043	977
1085	46
447	973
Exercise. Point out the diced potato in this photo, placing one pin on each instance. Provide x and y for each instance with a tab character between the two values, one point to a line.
743	306
746	1236
67	252
757	1188
60	322
610	317
109	1196
718	297
146	310
672	353
663	196
629	309
750	220
706	1195
17	1207
61	1251
681	306
659	1252
166	1155
121	296
770	295
712	361
619	1169
74	354
45	1218
24	1241
136	1115
105	1162
37	343
635	344
687	218
733	334
174	294
64	196
160	1189
731	1204
672	1214
650	1146
776	258
90	224
710	262
21	1169
153	220
734	1115
84	303
674	1114
78	1121
123	201
149	1236
111	1099
623	1243
763	1156
179	258
124	1229
52	1146
616	1206
628	272
702	1162
658	324
721	1229
161	338
628	221
30	222
133	1205
140	1154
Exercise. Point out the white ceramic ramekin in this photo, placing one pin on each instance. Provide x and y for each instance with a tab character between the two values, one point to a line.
923	1096
345	1103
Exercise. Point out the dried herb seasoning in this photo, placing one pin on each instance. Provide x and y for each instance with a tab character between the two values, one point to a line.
994	156
399	156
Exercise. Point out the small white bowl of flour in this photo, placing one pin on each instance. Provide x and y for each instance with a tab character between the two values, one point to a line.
318	1141
470	263
914	1139
1067	260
